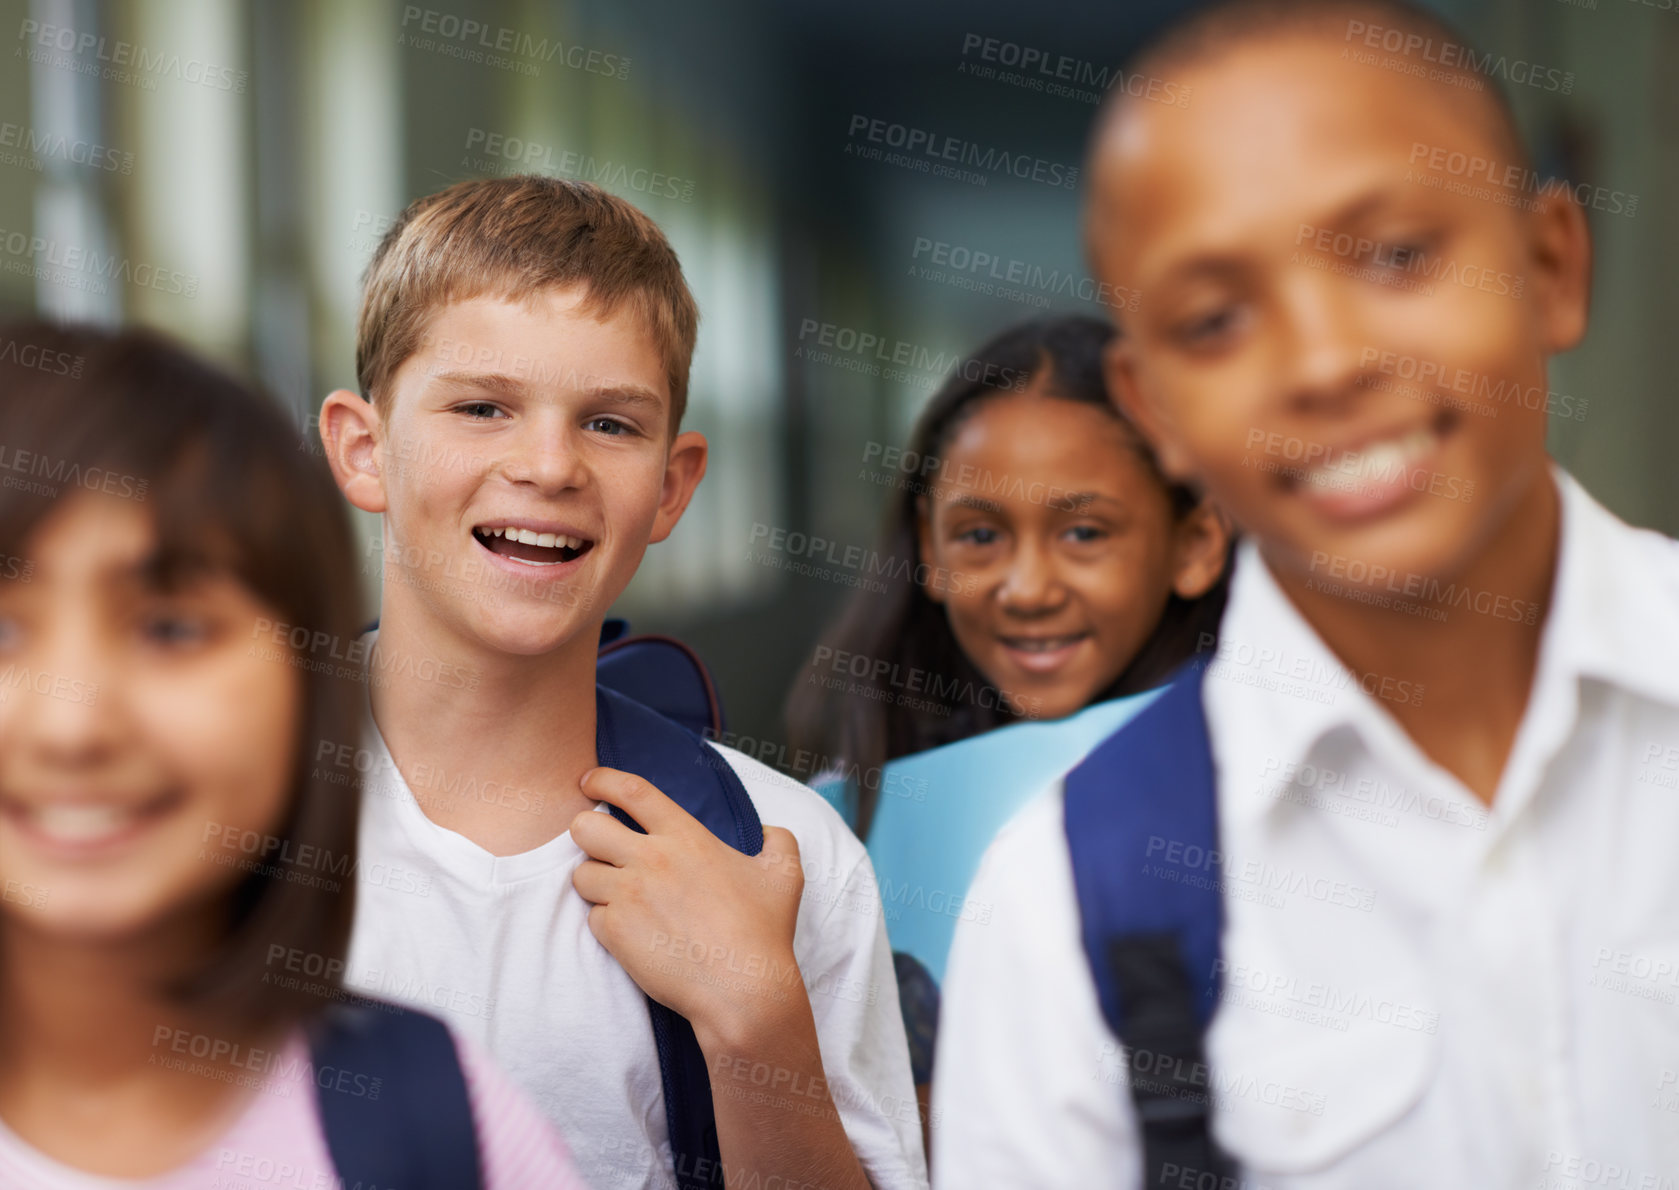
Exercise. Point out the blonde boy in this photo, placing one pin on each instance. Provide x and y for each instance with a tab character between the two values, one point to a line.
523	353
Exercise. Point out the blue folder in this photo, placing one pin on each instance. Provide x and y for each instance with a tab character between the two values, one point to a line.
939	810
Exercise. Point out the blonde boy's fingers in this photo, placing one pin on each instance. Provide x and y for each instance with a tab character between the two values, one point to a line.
598	923
781	847
641	800
603	837
780	854
595	882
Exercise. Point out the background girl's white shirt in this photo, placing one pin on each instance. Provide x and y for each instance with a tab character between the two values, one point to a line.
1418	992
276	1141
501	948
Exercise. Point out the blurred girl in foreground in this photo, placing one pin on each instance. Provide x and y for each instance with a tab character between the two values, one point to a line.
177	878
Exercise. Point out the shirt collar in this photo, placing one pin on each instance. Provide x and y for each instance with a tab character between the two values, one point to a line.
1278	689
1614	613
1274	689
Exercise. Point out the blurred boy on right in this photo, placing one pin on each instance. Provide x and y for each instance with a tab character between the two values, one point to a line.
1442	719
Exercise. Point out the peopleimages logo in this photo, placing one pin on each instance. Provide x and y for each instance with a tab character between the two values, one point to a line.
930	152
1061	75
1481	393
46	255
856	558
34	145
1454	62
496	45
1015	280
1507	183
896	359
120	61
504	154
1399	264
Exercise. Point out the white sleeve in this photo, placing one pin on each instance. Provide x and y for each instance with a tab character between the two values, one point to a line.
1028	1089
846	964
865	1055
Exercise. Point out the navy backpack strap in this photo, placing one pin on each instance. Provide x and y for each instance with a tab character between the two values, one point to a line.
393	1099
686	769
662	674
1142	831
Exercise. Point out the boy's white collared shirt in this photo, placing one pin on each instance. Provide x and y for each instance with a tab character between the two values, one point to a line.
1417	991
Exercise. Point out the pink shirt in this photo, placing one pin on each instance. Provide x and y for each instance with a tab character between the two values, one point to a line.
276	1143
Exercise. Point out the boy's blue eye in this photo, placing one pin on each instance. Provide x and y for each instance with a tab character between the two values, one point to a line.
1086	533
479	410
609	426
979	535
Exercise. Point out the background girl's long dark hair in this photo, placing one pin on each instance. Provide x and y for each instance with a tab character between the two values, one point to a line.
220	470
865	720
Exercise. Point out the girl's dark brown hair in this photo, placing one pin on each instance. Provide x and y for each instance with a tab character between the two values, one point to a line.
860	722
218	466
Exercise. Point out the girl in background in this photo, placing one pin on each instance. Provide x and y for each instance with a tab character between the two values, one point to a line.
176	873
1061	567
1057	568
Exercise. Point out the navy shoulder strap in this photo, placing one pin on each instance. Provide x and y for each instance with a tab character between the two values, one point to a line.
1142	832
686	769
662	674
393	1099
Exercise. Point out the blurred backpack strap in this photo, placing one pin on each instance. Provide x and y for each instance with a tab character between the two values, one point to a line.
1151	929
393	1099
696	777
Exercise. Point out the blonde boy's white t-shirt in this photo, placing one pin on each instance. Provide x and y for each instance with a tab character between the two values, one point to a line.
500	947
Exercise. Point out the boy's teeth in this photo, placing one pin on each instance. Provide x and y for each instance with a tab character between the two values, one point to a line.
1380	460
531	537
1417	441
80	823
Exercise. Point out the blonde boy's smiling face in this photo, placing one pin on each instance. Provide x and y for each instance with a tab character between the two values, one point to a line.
1294	254
524	464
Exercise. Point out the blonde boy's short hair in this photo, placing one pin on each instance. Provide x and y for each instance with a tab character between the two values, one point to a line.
513	237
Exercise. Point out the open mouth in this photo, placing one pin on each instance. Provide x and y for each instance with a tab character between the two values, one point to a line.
87	826
530	547
1043	653
1379	474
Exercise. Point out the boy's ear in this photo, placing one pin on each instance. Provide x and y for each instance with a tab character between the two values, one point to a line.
1201	548
924	546
684	468
1560	247
350	432
1119	368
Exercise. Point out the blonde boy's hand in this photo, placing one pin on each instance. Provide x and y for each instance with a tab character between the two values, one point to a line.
704	929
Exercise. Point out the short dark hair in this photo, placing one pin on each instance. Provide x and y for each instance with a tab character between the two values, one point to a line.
231	492
1225	24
